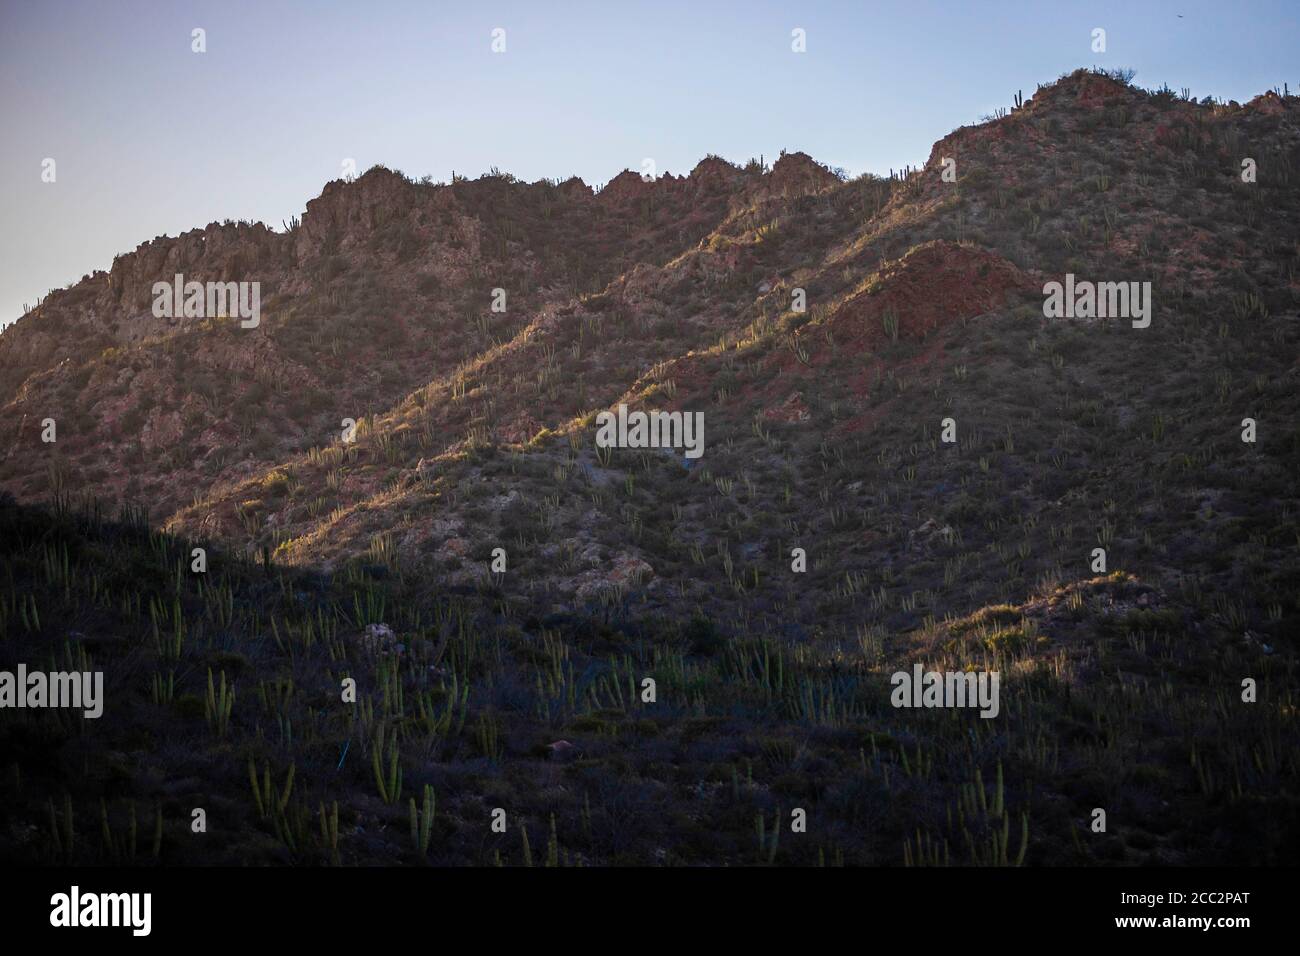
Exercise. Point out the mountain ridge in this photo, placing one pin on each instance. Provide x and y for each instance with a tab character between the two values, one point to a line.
675	274
911	466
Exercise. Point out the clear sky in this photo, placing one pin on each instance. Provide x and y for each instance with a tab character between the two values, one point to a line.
150	138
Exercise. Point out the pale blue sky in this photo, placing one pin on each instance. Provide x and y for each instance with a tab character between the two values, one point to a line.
151	139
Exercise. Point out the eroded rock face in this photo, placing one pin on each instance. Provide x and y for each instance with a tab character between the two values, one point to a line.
795	174
218	253
714	174
935	284
626	186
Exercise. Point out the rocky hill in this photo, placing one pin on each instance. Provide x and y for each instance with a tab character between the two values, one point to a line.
907	458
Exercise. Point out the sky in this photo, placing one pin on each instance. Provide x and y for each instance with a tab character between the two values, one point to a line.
150	138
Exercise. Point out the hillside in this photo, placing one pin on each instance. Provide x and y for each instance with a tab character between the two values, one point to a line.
826	436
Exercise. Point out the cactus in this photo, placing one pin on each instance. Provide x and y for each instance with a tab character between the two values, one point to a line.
422	821
257	791
164	692
890	322
390	787
553	846
767	844
926	851
218	705
273	804
269	800
329	830
528	850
